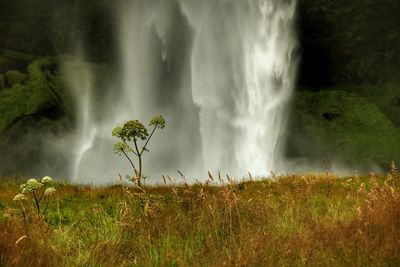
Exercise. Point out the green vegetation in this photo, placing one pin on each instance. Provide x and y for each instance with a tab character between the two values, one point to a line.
13	60
33	106
339	126
38	192
134	131
385	96
29	94
311	220
14	77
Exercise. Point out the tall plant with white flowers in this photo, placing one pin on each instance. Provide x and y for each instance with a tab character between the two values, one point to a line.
38	192
135	133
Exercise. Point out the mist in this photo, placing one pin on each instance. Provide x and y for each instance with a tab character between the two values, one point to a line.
222	74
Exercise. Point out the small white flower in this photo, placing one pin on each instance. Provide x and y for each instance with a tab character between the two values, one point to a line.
46	179
20	197
31	185
49	191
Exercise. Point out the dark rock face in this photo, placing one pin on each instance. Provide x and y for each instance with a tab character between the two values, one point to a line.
49	28
349	41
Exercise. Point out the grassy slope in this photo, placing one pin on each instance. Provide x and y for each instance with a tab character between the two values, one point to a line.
313	220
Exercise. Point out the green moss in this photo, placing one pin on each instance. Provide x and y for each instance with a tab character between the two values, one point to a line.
14	77
386	97
339	126
26	99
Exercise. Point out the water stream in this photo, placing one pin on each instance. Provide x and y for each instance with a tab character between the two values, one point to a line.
221	72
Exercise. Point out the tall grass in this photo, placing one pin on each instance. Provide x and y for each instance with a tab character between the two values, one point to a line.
312	220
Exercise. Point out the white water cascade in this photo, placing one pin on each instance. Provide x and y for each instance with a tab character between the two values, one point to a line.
221	72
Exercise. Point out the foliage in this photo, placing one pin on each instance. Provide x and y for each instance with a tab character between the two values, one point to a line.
339	126
134	131
14	77
384	96
41	90
310	220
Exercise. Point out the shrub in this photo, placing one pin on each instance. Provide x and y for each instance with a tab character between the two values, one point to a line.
134	131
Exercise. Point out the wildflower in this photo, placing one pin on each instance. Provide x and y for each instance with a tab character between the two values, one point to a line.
120	148
49	191
31	185
46	179
20	197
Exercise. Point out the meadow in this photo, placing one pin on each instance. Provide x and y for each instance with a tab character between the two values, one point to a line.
293	220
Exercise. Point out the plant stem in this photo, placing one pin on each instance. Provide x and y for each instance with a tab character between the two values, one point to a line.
148	139
24	215
36	201
58	212
139	155
133	165
130	147
140	170
47	205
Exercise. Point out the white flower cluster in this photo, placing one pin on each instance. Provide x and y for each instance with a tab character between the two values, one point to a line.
30	185
49	191
20	197
33	184
46	179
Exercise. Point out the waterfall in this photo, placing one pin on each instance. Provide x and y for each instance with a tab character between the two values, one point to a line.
243	72
221	72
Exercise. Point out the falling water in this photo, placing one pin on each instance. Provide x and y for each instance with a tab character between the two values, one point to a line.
221	72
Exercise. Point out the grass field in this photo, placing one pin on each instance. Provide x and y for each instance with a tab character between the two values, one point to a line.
311	220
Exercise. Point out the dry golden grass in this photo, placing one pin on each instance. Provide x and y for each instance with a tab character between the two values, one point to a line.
312	220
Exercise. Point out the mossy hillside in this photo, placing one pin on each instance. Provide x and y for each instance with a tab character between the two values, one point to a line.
14	77
386	97
29	94
32	113
337	126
